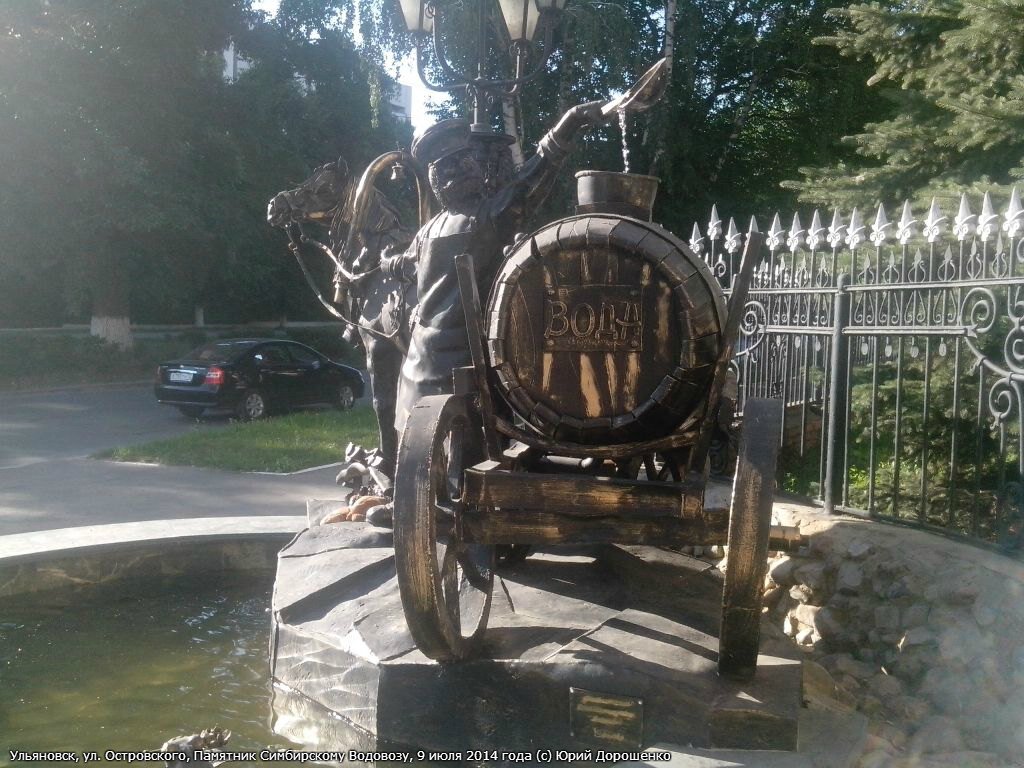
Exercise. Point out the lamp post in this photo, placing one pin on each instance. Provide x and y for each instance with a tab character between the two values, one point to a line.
518	19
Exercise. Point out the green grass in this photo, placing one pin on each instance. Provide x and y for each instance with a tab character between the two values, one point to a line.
278	444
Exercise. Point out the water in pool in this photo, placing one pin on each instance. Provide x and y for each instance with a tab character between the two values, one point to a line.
127	668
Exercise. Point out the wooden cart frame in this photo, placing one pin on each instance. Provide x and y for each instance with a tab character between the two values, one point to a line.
468	481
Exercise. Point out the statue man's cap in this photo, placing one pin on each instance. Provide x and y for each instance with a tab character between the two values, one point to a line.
449	136
440	140
492	136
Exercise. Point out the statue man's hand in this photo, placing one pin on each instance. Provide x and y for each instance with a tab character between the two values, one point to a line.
400	266
575	120
590	114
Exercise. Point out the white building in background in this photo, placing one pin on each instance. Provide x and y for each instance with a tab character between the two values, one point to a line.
401	103
234	65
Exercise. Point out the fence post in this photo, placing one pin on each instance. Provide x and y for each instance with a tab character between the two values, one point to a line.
838	392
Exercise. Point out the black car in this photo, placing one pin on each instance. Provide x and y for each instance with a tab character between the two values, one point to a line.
253	377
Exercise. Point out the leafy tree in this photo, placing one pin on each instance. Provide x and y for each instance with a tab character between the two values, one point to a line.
108	141
750	98
132	174
952	69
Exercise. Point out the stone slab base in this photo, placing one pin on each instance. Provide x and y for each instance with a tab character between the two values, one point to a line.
611	648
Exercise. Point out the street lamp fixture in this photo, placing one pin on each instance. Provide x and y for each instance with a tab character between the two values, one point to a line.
516	24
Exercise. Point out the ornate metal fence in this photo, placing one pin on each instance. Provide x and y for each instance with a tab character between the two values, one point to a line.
899	351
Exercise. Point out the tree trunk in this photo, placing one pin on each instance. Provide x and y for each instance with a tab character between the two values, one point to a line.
110	303
512	128
742	114
668	50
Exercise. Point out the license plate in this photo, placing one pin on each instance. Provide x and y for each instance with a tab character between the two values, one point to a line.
180	376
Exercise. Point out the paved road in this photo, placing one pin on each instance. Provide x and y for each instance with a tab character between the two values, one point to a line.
75	423
47	481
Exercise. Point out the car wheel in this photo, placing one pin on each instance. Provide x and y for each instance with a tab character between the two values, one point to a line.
191	411
346	397
252	406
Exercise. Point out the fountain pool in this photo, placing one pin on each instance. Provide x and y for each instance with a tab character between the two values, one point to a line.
127	666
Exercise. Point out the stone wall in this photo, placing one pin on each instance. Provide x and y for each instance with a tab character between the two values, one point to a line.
923	635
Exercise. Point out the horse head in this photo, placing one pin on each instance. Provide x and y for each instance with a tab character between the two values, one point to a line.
317	199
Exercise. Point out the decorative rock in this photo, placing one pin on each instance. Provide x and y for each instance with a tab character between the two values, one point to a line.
870	705
790	626
885	687
772	597
873	743
887	617
910	708
805	614
869	656
782	571
965	594
802	593
846	664
962	759
935	636
949	691
716	550
820	690
901	587
827	623
960	643
811	575
380	516
936	734
912	662
888	733
1018	658
915	615
849	579
916	636
782	608
849	683
876	758
985	615
951	592
858	550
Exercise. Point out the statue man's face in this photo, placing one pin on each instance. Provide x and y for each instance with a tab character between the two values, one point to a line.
457	179
495	158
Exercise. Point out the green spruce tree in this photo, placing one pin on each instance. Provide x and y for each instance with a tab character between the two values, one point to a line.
952	69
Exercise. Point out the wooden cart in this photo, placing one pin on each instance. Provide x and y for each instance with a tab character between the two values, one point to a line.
511	459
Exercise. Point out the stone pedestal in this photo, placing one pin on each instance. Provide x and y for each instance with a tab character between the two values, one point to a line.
606	648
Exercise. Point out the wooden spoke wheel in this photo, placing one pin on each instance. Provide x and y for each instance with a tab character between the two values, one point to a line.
445	582
749	524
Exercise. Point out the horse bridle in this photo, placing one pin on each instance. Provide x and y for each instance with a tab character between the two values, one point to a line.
342	277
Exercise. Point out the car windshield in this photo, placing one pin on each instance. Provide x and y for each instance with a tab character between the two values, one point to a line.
220	350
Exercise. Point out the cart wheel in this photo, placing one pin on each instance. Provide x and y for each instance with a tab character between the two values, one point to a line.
749	522
445	583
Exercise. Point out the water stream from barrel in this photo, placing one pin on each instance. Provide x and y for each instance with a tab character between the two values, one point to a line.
624	128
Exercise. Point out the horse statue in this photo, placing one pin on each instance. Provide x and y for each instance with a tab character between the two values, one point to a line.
362	226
